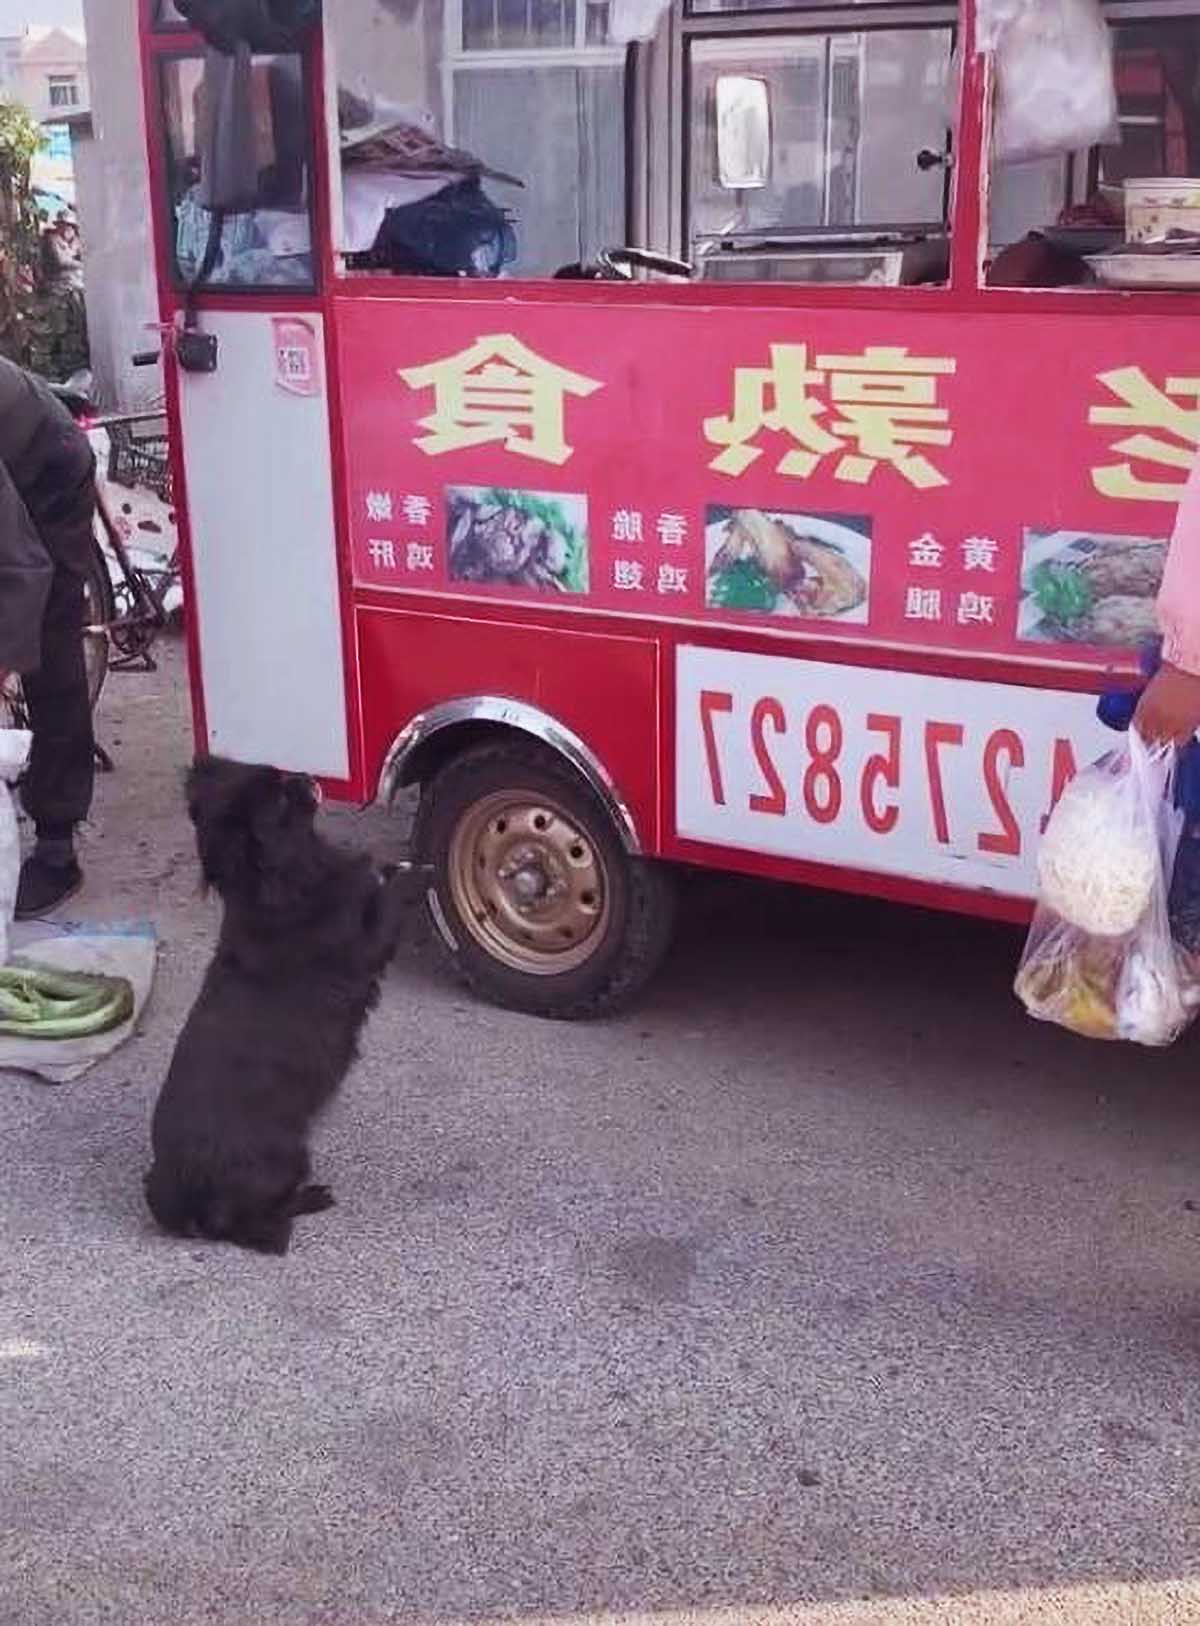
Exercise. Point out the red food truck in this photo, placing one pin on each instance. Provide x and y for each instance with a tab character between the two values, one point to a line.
655	431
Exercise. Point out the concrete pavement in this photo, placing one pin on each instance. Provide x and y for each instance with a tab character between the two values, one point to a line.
821	1288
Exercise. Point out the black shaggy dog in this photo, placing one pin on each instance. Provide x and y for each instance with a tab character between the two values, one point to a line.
306	934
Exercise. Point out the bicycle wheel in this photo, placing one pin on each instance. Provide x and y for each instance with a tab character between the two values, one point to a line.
98	611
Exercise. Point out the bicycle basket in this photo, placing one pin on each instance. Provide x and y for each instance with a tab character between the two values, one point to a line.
139	461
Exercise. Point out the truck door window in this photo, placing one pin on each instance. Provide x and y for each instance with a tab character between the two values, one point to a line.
478	138
238	170
1047	216
489	138
1158	101
857	148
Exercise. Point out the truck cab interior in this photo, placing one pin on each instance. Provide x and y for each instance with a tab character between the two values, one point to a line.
732	141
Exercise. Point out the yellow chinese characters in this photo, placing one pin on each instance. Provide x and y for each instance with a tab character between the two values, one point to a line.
1167	435
867	410
498	390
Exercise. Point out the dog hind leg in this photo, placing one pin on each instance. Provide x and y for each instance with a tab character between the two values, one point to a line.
311	1200
173	1204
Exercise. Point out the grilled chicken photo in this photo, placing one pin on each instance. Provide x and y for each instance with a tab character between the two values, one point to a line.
816	576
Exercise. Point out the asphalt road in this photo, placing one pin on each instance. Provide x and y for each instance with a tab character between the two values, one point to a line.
822	1288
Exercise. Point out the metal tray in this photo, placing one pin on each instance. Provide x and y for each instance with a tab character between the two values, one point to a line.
1147	270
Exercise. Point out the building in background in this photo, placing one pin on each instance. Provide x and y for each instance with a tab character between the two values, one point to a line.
10	59
113	201
46	70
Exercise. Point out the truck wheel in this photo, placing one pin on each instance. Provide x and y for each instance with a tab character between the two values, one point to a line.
532	893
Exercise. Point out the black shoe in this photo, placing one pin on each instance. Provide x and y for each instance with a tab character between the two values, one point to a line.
43	886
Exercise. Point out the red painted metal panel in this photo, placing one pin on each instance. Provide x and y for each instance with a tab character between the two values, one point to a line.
603	688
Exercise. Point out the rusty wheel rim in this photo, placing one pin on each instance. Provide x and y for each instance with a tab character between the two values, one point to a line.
528	883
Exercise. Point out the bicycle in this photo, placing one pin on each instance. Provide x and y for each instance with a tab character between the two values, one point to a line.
126	605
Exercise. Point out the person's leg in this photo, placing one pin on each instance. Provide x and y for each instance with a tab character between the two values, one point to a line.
57	790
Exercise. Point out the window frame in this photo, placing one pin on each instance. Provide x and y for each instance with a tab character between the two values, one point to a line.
1081	167
162	63
877	10
803	19
454	9
57	83
457	58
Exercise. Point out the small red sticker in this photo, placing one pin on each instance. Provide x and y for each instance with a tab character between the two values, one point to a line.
297	359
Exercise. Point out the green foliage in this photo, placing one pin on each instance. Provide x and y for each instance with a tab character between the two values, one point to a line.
20	141
41	321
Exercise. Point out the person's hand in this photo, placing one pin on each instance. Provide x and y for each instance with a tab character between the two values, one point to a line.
1169	710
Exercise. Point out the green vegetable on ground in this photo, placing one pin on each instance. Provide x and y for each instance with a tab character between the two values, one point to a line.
37	1002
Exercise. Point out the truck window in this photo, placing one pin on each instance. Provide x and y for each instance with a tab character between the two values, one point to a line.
520	138
477	137
238	170
854	183
1046	217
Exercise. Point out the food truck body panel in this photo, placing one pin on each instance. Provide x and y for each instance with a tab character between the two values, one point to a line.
815	582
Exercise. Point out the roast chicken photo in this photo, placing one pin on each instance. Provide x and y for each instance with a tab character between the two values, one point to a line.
773	563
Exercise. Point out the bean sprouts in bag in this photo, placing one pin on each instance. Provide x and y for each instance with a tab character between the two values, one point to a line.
1099	958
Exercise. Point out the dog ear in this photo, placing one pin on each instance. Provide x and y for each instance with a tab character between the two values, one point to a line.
224	846
220	799
207	784
244	814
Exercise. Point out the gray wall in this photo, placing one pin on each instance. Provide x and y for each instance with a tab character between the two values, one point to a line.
391	47
113	196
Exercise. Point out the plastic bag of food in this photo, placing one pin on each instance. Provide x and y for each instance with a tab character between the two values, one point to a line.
1100	958
14	748
1055	85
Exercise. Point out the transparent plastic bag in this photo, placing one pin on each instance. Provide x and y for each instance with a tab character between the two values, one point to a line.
1100	959
1055	83
14	749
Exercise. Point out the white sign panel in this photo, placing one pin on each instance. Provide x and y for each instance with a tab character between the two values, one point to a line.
939	779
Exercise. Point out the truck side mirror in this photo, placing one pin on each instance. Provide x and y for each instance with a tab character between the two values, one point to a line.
743	107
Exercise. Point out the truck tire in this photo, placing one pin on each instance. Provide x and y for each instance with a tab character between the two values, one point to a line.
531	891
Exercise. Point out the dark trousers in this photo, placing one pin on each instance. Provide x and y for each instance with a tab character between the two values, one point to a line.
57	789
